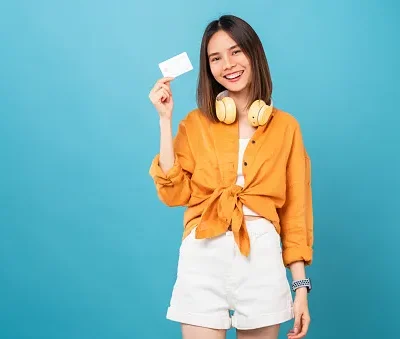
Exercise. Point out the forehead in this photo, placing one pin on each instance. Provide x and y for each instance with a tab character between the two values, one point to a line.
219	42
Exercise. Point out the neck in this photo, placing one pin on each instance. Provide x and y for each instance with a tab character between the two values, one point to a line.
241	99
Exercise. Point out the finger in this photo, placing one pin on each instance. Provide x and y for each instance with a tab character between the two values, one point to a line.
158	87
292	334
163	95
166	87
165	80
296	336
303	332
158	96
304	328
297	323
168	84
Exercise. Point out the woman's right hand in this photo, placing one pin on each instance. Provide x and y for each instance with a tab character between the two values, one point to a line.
161	97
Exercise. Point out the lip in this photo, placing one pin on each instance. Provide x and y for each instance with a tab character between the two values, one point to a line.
233	73
235	79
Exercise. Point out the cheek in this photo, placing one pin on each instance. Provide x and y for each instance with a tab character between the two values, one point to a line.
215	71
248	66
248	71
245	62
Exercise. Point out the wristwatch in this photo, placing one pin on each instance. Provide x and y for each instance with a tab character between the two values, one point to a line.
302	283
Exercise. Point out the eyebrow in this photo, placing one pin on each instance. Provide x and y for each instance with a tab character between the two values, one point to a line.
216	53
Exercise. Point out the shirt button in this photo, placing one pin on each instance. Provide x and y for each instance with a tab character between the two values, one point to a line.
253	141
245	163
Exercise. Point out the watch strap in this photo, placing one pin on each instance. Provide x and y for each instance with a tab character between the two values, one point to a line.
301	283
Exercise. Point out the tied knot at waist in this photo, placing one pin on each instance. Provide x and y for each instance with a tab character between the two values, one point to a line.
224	209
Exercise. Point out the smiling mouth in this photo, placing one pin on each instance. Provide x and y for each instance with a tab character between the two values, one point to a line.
233	76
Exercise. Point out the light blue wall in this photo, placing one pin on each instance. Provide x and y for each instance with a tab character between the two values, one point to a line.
87	250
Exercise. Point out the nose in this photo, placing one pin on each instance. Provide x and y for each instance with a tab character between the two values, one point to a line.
228	63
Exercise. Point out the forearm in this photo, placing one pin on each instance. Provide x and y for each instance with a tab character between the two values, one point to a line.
167	155
298	271
171	168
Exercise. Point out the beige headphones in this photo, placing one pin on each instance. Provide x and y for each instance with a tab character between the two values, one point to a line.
258	115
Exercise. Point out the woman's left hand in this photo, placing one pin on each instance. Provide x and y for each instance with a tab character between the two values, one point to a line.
301	315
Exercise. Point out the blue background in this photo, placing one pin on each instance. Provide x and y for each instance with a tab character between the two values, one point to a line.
86	248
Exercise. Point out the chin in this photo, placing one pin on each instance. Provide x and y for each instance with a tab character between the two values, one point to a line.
235	87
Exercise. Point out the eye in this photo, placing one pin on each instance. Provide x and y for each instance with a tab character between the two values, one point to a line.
214	59
236	51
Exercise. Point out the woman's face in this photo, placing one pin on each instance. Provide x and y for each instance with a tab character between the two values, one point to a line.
228	64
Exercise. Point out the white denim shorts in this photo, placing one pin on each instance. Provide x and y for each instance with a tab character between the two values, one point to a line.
217	287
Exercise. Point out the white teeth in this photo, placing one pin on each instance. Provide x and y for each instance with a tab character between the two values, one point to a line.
234	75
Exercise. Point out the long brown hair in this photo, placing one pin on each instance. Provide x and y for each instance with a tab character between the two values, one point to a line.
247	39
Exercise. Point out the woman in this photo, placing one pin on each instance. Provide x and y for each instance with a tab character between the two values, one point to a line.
240	167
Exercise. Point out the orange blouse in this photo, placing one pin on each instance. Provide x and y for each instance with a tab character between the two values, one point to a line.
277	172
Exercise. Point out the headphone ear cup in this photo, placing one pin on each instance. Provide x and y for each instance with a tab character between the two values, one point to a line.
220	110
230	109
264	114
259	113
226	110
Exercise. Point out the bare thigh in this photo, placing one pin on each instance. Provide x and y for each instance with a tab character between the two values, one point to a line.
196	332
270	332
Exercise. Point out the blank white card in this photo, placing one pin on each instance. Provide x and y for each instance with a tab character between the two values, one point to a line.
176	65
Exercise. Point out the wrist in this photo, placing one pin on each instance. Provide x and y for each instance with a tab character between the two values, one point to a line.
165	120
302	284
302	291
165	125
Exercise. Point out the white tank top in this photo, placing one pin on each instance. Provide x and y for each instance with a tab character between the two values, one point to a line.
240	177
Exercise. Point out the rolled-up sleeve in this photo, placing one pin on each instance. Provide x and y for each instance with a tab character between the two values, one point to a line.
296	215
174	187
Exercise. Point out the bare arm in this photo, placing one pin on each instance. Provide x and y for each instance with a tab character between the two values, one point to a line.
171	168
298	271
167	154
